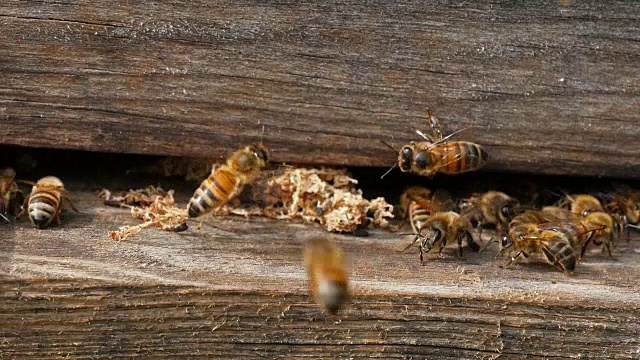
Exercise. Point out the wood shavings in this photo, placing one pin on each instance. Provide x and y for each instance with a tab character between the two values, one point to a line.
157	208
327	196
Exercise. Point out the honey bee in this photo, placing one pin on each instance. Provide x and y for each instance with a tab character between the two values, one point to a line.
326	270
45	202
227	181
553	245
605	230
10	194
442	228
436	154
581	204
492	208
419	203
623	208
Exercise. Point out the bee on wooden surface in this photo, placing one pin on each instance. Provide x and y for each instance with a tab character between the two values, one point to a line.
605	230
10	194
491	208
45	202
575	231
436	154
419	203
442	228
581	204
227	181
553	245
327	273
622	208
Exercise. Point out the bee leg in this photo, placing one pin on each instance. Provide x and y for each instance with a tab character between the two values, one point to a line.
410	245
443	244
71	204
512	260
4	217
421	256
25	207
479	230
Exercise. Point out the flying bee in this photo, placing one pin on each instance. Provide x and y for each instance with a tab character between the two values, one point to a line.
553	245
327	273
436	154
442	228
492	208
581	204
227	181
45	202
10	194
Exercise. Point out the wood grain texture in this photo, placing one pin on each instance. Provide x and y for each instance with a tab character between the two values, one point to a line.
238	290
547	88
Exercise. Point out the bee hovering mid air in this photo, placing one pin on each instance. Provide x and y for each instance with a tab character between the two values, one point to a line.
436	154
227	181
327	273
45	202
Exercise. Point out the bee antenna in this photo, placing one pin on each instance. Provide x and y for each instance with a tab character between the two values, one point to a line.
395	164
491	241
389	146
388	171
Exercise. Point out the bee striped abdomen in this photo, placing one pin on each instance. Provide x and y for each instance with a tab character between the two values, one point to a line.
418	216
462	156
43	208
212	193
561	253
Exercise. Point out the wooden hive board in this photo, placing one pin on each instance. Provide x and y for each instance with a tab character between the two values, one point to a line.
548	87
238	290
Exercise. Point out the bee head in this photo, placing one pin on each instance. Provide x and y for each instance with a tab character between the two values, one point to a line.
261	152
422	160
505	242
405	157
508	210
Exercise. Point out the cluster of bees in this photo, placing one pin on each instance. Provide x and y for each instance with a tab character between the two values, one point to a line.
42	204
560	233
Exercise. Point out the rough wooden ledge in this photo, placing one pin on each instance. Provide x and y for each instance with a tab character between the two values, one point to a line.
550	88
238	291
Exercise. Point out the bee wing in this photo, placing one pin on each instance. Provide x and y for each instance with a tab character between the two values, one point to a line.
442	201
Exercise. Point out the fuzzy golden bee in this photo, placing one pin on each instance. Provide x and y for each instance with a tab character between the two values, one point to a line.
491	208
440	229
553	245
419	203
436	154
581	204
227	181
45	202
10	194
327	273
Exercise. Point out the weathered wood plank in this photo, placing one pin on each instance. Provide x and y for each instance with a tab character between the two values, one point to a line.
239	291
549	88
